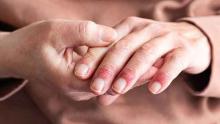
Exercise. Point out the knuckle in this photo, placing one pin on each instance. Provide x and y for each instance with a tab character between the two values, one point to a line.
53	25
147	52
178	59
173	38
148	47
163	77
178	40
156	28
155	25
171	35
106	71
85	29
47	30
128	73
48	26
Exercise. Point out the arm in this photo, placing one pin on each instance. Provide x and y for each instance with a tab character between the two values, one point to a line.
23	12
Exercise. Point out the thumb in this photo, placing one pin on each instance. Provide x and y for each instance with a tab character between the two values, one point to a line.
75	33
92	34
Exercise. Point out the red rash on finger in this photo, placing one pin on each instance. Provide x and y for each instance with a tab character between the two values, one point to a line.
105	73
128	75
161	77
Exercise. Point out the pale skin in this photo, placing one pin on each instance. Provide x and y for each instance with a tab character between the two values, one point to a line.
138	40
148	51
46	52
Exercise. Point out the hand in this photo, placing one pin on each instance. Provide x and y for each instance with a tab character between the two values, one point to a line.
45	52
167	48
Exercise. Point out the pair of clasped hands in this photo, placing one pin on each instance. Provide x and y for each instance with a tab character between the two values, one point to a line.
82	59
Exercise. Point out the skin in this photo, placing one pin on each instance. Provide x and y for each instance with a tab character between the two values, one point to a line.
151	50
49	51
95	55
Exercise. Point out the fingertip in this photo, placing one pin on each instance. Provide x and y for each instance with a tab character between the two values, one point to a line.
108	34
81	71
155	87
119	85
97	86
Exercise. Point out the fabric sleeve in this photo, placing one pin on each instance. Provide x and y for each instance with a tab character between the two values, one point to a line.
208	82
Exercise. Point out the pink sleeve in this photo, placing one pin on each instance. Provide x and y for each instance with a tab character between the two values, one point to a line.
210	25
10	87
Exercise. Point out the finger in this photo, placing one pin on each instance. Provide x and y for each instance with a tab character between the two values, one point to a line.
174	63
92	34
118	55
72	33
146	77
142	61
110	97
129	25
107	99
87	65
81	50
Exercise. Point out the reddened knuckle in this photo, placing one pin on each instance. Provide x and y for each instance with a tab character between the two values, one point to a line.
106	71
146	47
128	73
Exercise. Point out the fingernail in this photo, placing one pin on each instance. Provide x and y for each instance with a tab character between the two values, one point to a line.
108	35
119	85
81	70
155	87
98	85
